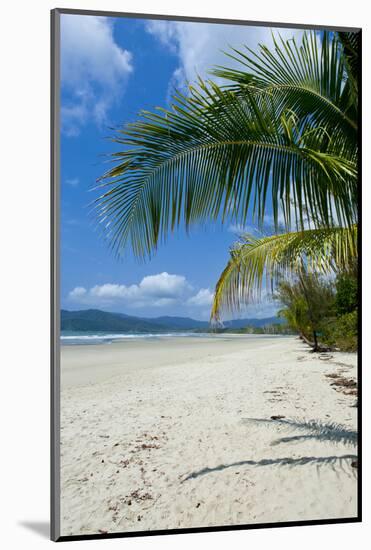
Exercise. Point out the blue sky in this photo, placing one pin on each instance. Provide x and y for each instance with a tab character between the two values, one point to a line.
111	69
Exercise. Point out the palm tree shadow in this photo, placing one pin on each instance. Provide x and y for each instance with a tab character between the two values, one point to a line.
320	431
316	430
286	461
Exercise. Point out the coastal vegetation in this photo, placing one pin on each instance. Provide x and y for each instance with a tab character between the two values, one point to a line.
280	134
323	312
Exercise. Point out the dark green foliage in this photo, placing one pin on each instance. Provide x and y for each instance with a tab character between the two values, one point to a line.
346	294
323	311
346	331
342	332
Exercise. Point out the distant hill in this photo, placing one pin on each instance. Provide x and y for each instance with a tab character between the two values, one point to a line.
90	320
242	323
179	323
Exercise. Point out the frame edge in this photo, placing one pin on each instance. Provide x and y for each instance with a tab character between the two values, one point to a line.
54	282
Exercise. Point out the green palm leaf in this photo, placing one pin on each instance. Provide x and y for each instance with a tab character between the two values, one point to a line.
322	250
224	153
310	79
351	46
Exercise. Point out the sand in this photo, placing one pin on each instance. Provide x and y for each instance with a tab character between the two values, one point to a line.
177	433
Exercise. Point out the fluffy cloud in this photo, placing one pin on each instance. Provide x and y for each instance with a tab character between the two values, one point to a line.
94	70
171	293
239	229
158	290
164	285
204	297
201	46
77	293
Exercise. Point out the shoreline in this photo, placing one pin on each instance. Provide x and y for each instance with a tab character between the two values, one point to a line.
171	434
112	338
85	364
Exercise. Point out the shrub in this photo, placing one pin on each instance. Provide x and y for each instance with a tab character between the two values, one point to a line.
342	332
346	300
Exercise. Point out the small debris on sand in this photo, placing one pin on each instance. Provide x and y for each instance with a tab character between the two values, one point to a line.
344	382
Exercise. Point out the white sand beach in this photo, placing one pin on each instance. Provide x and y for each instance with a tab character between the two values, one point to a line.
177	433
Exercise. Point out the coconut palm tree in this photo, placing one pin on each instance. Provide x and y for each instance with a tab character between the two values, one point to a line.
282	133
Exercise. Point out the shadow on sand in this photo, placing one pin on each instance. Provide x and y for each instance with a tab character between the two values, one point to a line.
315	430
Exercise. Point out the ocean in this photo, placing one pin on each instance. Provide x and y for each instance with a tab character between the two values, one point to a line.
71	338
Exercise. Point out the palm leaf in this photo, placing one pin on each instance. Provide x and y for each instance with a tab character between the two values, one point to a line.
323	250
222	154
308	78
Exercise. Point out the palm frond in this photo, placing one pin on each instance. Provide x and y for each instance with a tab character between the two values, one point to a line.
215	155
351	47
223	153
308	78
323	250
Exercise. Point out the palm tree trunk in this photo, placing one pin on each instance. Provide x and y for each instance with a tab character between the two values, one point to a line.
301	279
315	340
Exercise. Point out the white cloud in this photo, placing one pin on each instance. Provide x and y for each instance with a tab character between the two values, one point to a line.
158	290
200	46
204	297
164	285
77	293
165	31
240	229
111	291
94	69
171	293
